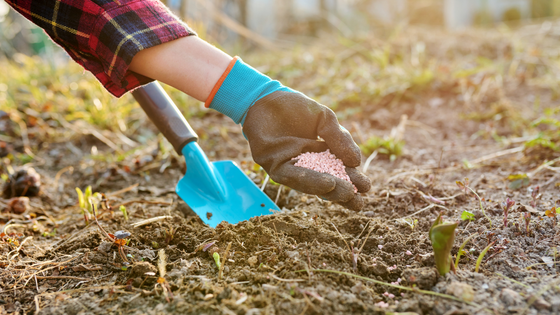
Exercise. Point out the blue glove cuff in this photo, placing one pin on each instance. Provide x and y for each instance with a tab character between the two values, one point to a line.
242	87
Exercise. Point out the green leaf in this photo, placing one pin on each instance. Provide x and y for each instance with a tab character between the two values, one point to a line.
81	199
88	192
442	236
466	215
216	259
123	210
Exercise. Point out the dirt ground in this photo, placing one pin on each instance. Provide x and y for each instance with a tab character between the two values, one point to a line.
53	263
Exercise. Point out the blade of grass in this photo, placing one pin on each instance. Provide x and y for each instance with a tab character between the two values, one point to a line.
445	296
481	256
514	281
461	248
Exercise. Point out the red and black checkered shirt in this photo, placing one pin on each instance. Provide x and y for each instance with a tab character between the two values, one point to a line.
104	35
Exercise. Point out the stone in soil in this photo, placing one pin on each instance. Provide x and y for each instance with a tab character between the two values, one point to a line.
425	278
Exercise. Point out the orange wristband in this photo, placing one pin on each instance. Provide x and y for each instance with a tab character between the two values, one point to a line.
220	81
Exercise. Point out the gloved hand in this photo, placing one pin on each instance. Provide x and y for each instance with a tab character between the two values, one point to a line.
280	124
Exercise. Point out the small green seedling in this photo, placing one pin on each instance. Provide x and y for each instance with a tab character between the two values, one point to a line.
123	210
217	259
87	201
50	234
411	222
466	215
462	251
442	235
465	187
481	256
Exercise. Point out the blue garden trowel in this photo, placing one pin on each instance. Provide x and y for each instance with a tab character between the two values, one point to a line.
217	191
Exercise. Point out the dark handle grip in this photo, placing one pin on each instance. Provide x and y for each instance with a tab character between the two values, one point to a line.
165	115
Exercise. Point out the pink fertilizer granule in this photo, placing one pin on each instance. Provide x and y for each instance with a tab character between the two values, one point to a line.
324	162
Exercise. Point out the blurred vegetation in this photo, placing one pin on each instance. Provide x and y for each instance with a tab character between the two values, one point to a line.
48	96
549	135
356	76
391	147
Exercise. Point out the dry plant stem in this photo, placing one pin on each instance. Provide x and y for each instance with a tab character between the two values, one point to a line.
151	220
10	259
59	174
226	253
450	297
349	248
541	167
497	154
165	203
122	191
480	203
423	209
43	270
278	194
121	250
285	280
61	277
539	264
368	161
266	179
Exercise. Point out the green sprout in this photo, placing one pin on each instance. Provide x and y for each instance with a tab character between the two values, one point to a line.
50	234
88	202
411	222
461	249
465	187
481	256
123	210
442	235
217	259
466	215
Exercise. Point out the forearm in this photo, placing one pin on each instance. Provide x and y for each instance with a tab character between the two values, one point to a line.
189	64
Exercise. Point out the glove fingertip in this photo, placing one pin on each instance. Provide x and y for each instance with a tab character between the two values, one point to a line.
343	191
355	204
352	158
361	181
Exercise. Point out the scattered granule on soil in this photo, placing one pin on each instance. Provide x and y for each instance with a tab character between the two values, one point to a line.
324	162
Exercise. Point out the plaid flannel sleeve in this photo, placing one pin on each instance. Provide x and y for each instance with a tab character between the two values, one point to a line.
103	36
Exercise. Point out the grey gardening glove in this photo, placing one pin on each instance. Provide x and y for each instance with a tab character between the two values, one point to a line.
282	125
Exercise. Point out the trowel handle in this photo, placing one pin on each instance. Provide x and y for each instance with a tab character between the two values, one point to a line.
165	115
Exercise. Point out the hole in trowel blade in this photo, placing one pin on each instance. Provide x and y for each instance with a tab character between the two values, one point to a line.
208	215
262	204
